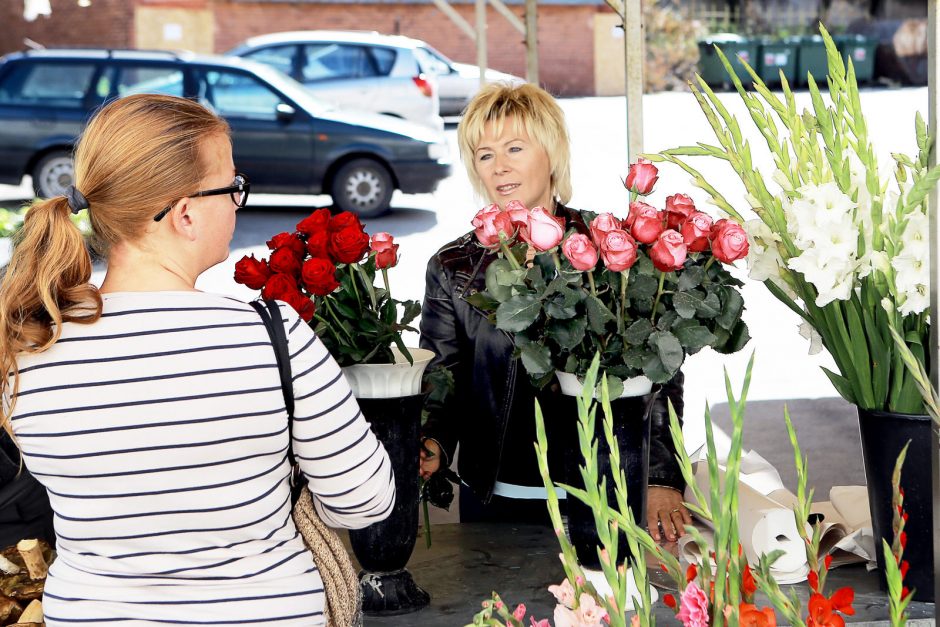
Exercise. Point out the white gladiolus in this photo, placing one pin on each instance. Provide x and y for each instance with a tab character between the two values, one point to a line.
780	178
815	339
833	278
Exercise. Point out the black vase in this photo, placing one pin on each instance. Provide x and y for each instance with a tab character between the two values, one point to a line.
883	436
383	549
631	426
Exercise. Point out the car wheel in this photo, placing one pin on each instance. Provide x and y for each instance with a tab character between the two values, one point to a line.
364	187
53	174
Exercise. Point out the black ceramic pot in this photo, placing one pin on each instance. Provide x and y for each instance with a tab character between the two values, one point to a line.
883	436
383	549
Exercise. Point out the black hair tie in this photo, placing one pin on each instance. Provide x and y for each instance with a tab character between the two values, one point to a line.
77	200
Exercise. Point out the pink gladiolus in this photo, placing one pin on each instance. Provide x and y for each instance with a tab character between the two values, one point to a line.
544	231
579	250
693	606
601	225
642	177
519	612
564	593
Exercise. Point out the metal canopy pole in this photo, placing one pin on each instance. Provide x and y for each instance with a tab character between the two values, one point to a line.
481	40
634	54
933	123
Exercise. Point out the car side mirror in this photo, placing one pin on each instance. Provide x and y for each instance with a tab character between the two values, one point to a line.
285	112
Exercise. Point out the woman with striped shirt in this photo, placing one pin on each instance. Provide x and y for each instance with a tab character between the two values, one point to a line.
152	412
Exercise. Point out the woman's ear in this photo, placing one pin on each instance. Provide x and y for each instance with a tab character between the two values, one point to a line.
183	219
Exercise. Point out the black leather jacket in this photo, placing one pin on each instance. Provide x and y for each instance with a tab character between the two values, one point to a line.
490	384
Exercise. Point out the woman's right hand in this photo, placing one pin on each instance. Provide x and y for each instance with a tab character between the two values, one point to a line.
430	459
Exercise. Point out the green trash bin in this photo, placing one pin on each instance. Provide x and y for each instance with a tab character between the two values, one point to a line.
774	56
713	71
861	50
811	59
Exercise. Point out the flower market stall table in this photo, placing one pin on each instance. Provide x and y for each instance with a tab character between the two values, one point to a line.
467	561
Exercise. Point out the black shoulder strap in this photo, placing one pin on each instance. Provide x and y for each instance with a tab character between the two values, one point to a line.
271	317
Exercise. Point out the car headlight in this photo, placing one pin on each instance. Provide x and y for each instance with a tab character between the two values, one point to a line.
438	152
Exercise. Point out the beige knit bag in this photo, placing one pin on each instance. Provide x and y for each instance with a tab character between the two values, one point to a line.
340	582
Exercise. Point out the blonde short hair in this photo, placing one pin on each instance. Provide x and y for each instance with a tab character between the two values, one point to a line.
536	111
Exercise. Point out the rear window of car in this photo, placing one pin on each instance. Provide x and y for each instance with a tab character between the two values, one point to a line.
237	95
384	59
50	84
278	57
334	61
430	62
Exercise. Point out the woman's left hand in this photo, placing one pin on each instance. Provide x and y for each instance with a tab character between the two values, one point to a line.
664	507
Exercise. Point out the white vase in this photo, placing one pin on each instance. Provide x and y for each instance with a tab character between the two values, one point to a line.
571	385
389	380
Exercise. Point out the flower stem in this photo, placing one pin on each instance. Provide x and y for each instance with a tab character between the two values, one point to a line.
556	260
590	274
352	275
508	254
659	293
388	290
624	278
333	315
708	264
427	523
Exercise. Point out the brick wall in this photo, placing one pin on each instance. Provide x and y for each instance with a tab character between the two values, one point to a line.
566	38
107	23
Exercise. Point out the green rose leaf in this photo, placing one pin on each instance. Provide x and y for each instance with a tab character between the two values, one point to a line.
666	320
518	313
686	303
738	337
598	314
668	349
694	337
655	371
559	309
535	279
568	333
732	305
708	308
536	359
637	332
691	278
642	286
482	301
498	280
636	357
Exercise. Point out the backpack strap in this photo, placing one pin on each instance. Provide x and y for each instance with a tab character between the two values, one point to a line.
271	317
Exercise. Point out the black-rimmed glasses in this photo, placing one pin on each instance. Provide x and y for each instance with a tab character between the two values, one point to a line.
238	190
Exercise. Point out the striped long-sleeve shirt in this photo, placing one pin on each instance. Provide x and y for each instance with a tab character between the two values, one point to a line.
161	435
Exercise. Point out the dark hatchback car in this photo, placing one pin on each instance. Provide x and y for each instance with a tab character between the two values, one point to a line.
284	140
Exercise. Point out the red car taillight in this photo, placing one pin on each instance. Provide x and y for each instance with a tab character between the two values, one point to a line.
424	85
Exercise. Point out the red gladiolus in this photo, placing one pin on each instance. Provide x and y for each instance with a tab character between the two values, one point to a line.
748	585
669	252
902	537
903	568
317	221
905	591
647	223
318	245
842	600
344	220
284	260
827	561
386	250
252	272
750	616
348	245
642	177
287	240
319	276
279	287
821	613
679	208
691	573
729	241
669	601
813	580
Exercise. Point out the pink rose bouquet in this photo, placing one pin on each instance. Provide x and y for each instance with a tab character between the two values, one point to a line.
644	291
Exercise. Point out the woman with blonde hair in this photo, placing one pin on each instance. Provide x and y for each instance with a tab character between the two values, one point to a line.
514	144
152	412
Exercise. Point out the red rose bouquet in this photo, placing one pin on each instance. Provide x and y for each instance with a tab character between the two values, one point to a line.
644	291
326	271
